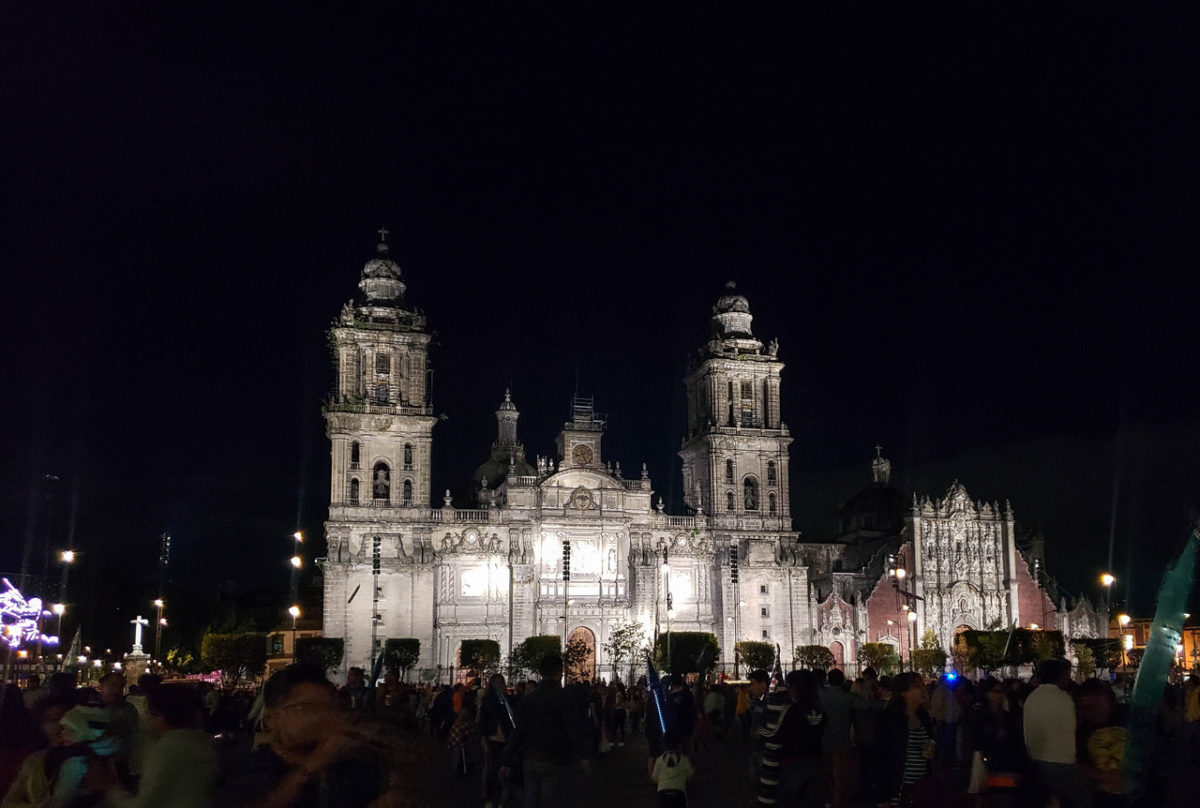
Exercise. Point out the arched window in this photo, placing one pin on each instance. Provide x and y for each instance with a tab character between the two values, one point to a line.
750	493
408	455
728	471
771	509
730	503
407	492
354	455
381	481
381	394
771	472
354	492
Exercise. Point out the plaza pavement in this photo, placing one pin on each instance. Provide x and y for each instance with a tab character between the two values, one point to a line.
617	778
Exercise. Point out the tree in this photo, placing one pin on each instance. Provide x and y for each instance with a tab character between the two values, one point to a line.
983	650
1085	659
324	652
529	653
479	655
626	641
755	654
236	656
689	651
928	657
182	660
403	653
813	657
1042	647
880	656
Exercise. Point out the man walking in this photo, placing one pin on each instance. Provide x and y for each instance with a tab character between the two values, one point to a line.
495	727
549	735
1050	734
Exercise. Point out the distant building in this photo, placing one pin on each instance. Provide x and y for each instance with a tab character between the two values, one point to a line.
400	566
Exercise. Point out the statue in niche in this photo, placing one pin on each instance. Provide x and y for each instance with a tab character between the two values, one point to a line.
751	498
612	560
382	486
773	347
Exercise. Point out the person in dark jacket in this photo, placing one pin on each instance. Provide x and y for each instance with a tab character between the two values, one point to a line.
682	704
904	742
550	734
798	744
495	728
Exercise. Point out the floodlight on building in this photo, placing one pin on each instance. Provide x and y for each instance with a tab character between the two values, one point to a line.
294	611
298	536
901	572
67	556
1107	579
912	617
58	609
1123	619
297	561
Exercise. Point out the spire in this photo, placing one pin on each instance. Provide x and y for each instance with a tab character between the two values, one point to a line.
506	421
381	284
731	316
881	468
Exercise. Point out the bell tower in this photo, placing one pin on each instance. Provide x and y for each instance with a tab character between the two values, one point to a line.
735	453
378	416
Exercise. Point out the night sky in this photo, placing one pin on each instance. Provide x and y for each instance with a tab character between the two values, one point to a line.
975	238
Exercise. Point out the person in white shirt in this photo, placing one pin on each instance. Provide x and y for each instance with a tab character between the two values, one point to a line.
672	771
1050	734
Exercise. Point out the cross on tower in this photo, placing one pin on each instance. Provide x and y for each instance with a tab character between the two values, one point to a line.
878	450
383	231
138	622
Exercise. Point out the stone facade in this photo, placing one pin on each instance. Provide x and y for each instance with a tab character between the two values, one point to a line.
398	566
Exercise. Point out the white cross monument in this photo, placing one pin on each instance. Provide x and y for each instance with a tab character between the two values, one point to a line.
138	622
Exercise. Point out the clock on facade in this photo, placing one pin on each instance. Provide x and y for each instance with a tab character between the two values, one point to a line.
581	454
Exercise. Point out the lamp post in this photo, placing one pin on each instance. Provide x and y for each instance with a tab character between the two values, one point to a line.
59	609
67	557
294	611
1107	579
666	570
296	562
912	638
1126	647
159	622
566	577
898	572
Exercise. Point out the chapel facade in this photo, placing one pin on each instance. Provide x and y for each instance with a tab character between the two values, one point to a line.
573	546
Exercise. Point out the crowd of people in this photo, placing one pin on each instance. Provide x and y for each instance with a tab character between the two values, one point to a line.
807	739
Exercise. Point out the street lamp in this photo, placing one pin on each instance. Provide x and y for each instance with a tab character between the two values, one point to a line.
666	569
1126	646
296	562
158	627
294	611
912	637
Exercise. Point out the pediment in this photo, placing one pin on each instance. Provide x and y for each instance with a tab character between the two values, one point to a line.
581	478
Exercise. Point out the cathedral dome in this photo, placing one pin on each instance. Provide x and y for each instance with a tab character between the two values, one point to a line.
381	283
878	508
495	469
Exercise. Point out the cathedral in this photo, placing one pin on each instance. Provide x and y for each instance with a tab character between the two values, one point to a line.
573	546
